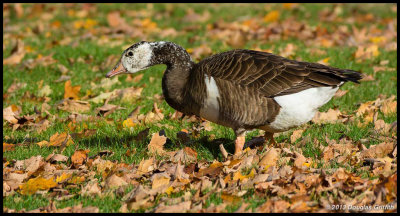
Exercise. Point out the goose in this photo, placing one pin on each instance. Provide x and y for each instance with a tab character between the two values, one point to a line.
241	89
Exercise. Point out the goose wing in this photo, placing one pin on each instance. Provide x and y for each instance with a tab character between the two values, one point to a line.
273	75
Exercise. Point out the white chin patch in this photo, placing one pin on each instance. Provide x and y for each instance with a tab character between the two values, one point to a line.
140	59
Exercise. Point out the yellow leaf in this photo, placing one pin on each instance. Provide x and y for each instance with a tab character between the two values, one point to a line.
237	175
230	198
128	123
8	147
148	24
59	139
377	40
272	16
64	176
169	190
71	91
289	6
89	23
39	183
43	143
76	180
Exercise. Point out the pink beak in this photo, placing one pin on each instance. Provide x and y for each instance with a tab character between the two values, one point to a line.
117	70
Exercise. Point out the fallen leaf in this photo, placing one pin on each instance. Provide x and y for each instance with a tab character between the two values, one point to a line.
8	147
11	113
35	184
381	126
115	181
17	55
128	123
73	105
340	93
180	207
79	157
296	135
270	158
146	166
160	181
53	158
389	107
107	109
156	145
300	160
60	139
272	16
44	91
71	92
91	189
331	116
378	151
105	83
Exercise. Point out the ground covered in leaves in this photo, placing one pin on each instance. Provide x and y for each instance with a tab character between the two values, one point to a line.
74	141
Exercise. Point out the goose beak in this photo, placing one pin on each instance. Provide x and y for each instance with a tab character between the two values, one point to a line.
119	69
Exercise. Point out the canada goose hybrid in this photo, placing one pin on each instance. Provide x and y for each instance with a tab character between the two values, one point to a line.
240	89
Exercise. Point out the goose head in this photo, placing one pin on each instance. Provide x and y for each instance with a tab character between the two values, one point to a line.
136	58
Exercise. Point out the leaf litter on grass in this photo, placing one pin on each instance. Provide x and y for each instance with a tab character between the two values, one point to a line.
284	179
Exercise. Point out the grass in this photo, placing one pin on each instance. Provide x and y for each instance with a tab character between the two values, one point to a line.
119	140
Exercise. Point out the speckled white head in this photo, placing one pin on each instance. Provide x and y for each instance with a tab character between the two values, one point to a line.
137	58
134	59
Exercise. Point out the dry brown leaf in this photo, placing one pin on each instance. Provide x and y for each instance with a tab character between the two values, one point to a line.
79	157
146	166
71	92
296	135
8	147
160	181
331	116
91	189
60	139
137	78
340	93
192	16
156	145
17	56
181	207
78	209
52	158
11	113
115	20
115	181
300	160
381	127
389	107
73	105
105	83
107	109
270	158
378	151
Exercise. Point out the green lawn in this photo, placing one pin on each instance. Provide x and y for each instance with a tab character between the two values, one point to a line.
92	68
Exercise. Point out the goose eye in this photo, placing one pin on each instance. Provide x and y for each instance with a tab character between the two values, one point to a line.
130	53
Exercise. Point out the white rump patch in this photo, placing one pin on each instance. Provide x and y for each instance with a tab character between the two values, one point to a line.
140	59
299	108
210	109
